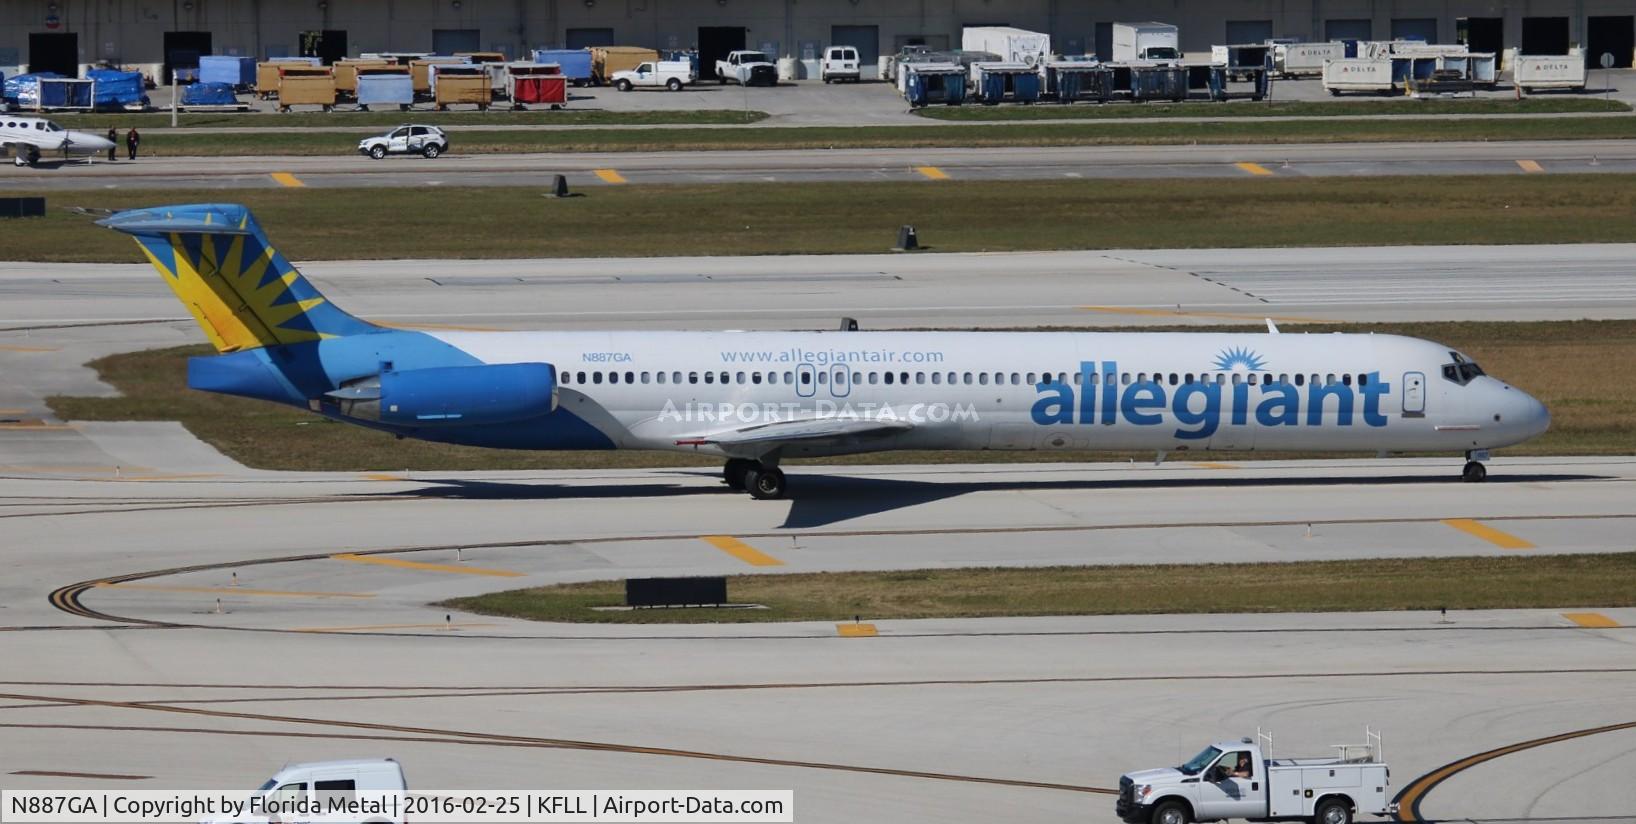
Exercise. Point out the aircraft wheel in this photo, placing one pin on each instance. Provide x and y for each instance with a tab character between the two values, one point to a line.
735	472
765	484
1474	473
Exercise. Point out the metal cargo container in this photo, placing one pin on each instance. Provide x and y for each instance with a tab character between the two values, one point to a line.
575	63
927	83
460	84
495	63
1219	82
1013	45
539	83
420	70
267	73
1305	59
346	74
605	60
997	82
1076	80
64	94
238	72
1358	74
1480	68
1549	71
305	86
385	86
1157	82
1242	61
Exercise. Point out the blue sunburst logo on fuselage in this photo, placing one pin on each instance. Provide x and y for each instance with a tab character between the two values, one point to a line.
1239	357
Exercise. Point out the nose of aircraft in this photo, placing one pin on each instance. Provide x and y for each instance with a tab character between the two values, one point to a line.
1519	414
88	143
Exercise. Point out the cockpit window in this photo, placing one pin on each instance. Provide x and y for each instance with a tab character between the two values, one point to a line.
52	127
1462	371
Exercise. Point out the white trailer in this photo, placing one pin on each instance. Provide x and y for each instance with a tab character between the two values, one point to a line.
1156	42
1556	71
1013	45
1358	74
1304	59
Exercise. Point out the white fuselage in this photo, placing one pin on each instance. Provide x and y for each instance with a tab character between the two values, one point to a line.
44	136
1029	391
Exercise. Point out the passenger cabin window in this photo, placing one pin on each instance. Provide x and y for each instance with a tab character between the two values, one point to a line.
335	790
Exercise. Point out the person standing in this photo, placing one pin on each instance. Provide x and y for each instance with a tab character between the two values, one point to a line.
113	143
132	140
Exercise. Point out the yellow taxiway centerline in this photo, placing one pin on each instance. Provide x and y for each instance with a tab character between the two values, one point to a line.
425	567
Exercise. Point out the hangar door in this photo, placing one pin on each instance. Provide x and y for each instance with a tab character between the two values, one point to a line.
589	38
866	39
1544	35
1415	28
714	44
183	49
1349	30
1243	32
1611	35
60	53
449	41
1481	34
328	45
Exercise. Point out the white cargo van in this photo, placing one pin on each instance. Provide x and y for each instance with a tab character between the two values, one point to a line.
840	63
317	785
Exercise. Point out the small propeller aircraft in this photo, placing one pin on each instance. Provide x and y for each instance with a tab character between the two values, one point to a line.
29	137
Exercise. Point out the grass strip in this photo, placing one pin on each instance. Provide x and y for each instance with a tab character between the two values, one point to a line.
1369	585
974	135
1294	108
824	218
387	119
1585	371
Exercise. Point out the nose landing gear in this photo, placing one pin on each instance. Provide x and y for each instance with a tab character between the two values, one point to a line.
1475	472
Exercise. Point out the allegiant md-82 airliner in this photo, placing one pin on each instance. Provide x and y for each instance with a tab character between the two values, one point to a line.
755	398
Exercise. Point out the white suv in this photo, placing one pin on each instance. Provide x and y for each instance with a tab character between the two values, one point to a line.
427	141
841	63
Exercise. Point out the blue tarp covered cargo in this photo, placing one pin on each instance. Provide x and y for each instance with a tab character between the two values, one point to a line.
24	89
576	63
239	72
385	89
116	89
209	94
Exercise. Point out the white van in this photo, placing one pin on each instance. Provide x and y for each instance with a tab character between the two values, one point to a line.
840	63
316	783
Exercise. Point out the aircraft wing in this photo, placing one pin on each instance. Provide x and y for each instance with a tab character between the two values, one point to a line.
763	438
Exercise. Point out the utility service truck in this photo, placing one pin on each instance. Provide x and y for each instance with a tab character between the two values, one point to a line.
1241	779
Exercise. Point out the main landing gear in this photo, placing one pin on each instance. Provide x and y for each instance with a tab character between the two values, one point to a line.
1475	472
764	482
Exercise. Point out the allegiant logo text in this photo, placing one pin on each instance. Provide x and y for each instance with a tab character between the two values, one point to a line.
1198	408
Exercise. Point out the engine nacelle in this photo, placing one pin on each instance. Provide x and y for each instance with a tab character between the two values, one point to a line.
454	395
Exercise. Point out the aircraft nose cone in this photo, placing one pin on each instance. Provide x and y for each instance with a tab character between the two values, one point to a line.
90	142
1523	414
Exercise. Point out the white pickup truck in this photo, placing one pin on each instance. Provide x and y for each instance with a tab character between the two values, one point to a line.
747	68
1240	779
669	74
